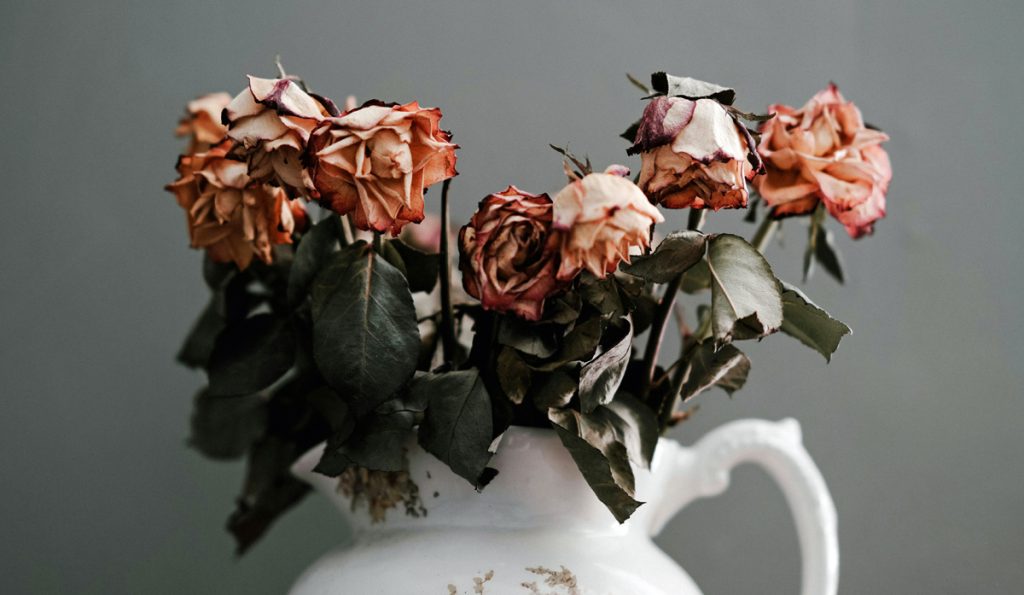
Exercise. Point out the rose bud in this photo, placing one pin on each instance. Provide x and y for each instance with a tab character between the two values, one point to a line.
693	154
509	253
375	161
201	122
272	120
823	152
603	216
228	214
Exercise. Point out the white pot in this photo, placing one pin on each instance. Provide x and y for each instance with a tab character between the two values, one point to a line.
538	529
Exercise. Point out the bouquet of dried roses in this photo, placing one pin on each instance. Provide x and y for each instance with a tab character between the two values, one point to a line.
352	329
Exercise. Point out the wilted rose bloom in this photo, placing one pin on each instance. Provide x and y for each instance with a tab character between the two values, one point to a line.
375	161
228	214
693	154
272	120
823	152
201	122
603	217
509	253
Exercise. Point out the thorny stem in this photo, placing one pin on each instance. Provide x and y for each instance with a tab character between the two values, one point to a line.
764	234
661	315
447	324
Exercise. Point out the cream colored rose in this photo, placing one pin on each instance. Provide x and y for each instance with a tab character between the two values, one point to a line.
228	214
375	162
693	154
201	122
603	217
271	120
823	152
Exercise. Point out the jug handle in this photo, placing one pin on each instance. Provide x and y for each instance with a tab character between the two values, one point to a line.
704	470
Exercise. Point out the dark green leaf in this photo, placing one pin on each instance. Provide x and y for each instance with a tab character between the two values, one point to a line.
601	376
827	255
697	278
809	324
314	249
365	336
457	427
513	375
578	345
630	133
674	255
225	427
421	269
726	368
636	426
195	351
746	302
603	461
251	354
684	86
555	390
269	491
603	295
539	340
217	274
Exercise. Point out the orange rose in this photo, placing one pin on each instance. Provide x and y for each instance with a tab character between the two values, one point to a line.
823	152
271	120
375	161
603	216
202	122
509	253
228	214
693	154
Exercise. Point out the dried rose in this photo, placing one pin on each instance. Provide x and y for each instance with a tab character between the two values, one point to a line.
201	122
509	253
228	214
375	161
693	154
603	216
823	152
272	120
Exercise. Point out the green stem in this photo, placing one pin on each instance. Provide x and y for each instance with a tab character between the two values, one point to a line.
447	323
378	246
661	315
681	373
764	234
347	237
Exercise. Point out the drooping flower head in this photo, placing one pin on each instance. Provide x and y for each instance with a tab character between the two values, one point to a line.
375	162
231	216
271	120
509	253
201	122
823	152
693	154
603	217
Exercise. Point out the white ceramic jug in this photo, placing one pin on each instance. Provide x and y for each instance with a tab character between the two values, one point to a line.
538	529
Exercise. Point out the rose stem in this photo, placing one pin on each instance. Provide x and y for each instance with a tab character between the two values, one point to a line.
346	230
378	246
764	233
661	315
447	325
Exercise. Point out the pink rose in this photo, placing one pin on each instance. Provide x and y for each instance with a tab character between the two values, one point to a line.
603	217
375	162
693	154
202	122
271	120
823	152
233	217
509	253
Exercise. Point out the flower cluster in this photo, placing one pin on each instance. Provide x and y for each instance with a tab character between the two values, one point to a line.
348	331
258	155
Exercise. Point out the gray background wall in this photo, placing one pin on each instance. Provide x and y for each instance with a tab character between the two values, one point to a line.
916	423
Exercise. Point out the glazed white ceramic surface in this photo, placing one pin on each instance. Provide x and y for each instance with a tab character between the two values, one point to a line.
537	529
